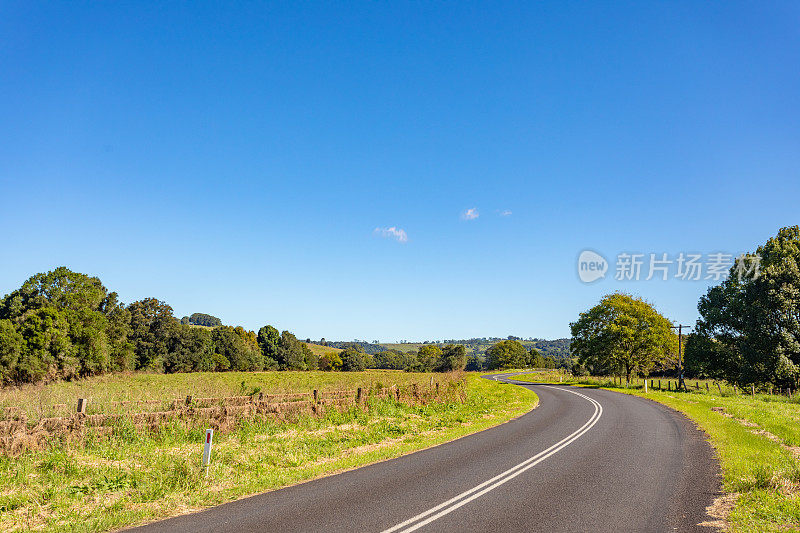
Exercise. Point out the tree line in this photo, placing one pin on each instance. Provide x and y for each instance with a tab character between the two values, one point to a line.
63	324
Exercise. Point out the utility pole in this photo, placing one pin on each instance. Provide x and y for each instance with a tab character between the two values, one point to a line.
680	359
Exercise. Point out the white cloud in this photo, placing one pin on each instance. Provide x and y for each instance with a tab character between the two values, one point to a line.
392	233
505	213
470	214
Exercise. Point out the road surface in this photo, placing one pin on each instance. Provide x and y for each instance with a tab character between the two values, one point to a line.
583	460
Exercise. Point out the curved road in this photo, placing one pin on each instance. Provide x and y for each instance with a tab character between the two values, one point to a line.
584	460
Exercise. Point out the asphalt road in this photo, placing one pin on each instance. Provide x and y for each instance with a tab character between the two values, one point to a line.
584	460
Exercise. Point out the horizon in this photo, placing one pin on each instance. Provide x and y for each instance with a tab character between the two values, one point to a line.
394	172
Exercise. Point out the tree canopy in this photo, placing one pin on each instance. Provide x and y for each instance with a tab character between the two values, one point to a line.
749	330
622	334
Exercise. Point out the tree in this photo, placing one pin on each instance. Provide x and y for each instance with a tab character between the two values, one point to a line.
202	319
454	357
749	330
429	357
11	346
506	354
622	333
152	326
353	360
290	352
268	338
311	359
330	361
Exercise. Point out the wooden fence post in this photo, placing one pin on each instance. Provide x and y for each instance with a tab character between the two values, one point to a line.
82	405
669	385
719	387
707	387
659	384
189	400
358	395
752	390
316	396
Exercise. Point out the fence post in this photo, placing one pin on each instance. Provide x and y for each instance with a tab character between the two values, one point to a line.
719	387
82	405
189	400
752	390
659	384
707	387
669	385
316	396
358	395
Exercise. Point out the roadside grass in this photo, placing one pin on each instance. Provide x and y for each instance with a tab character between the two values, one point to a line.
131	478
757	440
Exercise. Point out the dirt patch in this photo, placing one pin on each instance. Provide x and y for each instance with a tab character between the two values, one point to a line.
719	510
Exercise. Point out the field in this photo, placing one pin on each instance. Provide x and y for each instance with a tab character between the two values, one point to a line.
131	476
757	440
320	350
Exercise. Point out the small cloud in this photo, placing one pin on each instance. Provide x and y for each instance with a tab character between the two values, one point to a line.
392	233
505	213
470	214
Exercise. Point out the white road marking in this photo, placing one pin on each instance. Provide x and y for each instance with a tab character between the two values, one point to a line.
476	492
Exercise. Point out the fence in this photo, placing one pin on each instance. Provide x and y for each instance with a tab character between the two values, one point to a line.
17	434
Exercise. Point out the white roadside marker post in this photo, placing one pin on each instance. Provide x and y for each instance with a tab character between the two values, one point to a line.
207	449
645	386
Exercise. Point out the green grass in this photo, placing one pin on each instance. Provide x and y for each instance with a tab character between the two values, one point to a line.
756	439
131	478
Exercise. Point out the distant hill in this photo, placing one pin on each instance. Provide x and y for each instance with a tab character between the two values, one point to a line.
558	349
318	349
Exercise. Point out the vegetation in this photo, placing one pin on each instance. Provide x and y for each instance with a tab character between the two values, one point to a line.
66	325
511	354
749	330
201	319
622	333
131	477
756	438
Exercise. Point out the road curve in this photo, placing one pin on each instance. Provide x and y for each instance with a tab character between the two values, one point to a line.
584	460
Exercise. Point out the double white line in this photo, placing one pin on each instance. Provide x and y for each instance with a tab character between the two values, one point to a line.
464	498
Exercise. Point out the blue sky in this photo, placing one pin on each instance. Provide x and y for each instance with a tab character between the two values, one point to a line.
237	159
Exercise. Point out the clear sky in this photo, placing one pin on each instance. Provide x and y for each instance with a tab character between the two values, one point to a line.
392	170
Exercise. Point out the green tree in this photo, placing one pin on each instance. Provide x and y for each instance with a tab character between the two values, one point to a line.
311	359
622	333
152	326
290	352
454	357
506	354
353	360
428	357
268	338
749	330
11	347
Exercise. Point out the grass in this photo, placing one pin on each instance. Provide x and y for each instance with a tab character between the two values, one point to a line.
756	438
131	478
320	350
59	399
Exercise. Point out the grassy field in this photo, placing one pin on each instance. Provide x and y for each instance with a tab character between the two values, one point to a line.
321	350
130	477
757	440
59	399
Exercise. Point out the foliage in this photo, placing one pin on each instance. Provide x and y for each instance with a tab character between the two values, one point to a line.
201	319
353	359
453	358
749	330
330	361
506	354
622	334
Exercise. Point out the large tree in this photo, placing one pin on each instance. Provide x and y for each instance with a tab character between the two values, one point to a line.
622	334
506	354
749	330
152	326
